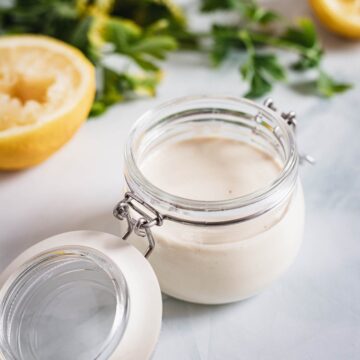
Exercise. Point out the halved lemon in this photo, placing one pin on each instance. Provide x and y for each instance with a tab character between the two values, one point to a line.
340	16
46	91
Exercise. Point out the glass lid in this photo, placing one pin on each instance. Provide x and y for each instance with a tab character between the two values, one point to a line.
66	303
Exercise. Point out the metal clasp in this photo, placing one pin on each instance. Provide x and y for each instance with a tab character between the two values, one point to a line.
141	226
290	118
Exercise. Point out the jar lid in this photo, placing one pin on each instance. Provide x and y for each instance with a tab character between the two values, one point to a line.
79	295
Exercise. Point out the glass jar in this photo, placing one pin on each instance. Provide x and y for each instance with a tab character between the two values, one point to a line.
219	251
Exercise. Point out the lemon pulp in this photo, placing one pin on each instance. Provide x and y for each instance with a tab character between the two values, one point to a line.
46	91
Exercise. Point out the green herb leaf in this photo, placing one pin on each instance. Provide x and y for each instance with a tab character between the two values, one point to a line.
269	64
146	12
248	9
259	86
225	38
213	5
308	60
130	40
156	46
304	34
253	12
79	40
260	70
98	108
122	34
328	87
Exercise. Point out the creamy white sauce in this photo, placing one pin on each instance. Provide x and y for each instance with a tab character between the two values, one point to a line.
210	169
221	264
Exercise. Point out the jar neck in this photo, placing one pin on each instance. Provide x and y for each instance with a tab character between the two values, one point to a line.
226	117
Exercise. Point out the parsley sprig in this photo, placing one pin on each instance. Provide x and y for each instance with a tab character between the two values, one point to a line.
128	39
260	32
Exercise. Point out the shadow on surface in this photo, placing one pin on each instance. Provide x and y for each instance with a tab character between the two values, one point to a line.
174	309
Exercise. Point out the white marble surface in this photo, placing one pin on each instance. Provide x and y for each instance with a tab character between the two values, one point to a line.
313	312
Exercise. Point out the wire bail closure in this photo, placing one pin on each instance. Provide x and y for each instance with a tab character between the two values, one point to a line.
140	226
290	118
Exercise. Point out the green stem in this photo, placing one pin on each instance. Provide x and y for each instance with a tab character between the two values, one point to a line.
244	35
277	42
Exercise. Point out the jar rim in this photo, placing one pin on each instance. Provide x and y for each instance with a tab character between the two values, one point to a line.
139	184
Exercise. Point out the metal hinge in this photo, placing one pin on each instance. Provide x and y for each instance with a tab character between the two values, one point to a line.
141	226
